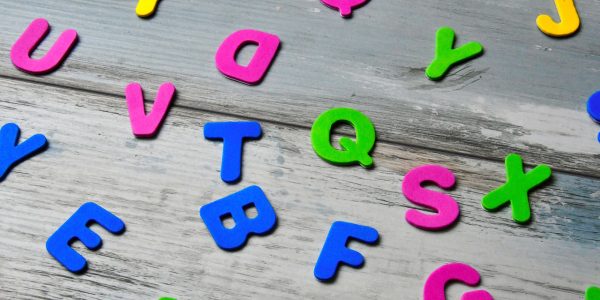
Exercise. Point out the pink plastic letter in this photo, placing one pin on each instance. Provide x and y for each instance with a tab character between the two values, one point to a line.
253	73
31	38
144	125
447	209
436	282
344	6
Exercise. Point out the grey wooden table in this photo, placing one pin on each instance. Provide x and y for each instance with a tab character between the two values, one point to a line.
526	95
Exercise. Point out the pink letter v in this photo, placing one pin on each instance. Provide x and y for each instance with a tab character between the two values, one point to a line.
144	125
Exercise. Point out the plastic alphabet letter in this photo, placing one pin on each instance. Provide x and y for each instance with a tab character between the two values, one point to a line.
344	6
569	20
144	125
436	282
31	38
233	135
11	153
352	152
253	73
145	8
445	205
234	205
335	251
593	108
76	227
516	188
592	293
447	56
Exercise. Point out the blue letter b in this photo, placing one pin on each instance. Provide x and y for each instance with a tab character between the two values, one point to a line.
234	205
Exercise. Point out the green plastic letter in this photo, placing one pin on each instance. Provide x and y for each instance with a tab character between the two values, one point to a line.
352	151
592	293
516	188
446	55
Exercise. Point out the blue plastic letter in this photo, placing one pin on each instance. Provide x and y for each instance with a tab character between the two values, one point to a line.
335	251
233	135
11	153
76	227
234	205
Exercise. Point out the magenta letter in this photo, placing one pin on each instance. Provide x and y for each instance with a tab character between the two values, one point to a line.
31	38
445	205
254	72
436	282
144	125
344	6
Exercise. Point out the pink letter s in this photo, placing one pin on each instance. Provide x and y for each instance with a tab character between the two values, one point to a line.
447	209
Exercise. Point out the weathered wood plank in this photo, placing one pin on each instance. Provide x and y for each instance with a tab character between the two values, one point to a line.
157	186
526	94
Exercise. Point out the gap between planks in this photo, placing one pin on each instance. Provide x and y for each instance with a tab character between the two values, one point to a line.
150	100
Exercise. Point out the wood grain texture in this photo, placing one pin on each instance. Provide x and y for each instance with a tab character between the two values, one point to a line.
157	187
526	94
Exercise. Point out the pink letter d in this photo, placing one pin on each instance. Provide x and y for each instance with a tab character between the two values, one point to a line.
253	73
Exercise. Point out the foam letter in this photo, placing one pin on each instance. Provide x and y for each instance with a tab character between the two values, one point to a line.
11	153
31	38
253	73
592	293
593	108
233	135
145	8
515	190
234	205
353	151
335	251
76	227
446	55
569	20
144	125
447	209
344	6
436	282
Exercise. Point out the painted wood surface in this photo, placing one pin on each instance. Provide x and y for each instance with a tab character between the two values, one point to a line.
526	94
157	186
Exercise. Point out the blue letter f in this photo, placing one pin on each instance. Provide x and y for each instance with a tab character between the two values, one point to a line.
335	251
